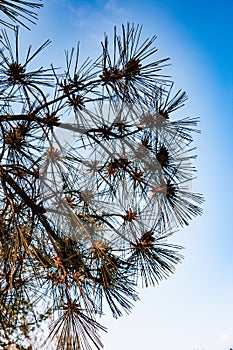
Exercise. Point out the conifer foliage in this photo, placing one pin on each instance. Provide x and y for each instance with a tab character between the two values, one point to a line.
95	173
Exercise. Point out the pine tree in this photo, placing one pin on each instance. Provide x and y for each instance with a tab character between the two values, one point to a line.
95	174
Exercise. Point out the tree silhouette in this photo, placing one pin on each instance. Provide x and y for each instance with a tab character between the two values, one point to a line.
95	177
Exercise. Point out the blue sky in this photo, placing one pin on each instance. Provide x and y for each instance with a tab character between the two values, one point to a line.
193	309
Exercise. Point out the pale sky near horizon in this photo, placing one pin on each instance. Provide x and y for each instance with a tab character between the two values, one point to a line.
193	309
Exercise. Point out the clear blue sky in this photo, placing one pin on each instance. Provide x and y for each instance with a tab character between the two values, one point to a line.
194	308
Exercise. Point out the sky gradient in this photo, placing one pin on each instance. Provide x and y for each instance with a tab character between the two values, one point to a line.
193	309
